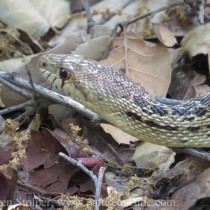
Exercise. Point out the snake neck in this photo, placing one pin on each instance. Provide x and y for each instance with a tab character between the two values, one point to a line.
115	86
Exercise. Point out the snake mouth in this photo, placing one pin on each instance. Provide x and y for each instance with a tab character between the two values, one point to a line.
49	68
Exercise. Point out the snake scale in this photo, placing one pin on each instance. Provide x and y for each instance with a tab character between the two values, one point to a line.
126	105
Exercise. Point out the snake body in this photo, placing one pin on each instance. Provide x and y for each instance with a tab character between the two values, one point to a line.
126	105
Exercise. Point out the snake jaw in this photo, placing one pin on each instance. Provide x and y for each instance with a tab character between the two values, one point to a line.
52	66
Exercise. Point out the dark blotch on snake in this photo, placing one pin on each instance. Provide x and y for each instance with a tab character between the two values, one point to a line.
167	127
134	116
193	129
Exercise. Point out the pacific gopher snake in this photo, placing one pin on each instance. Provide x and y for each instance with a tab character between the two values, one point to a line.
125	104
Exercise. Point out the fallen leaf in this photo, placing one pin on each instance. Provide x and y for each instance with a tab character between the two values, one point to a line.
51	173
197	41
146	154
94	48
188	84
4	183
165	36
34	17
120	136
187	196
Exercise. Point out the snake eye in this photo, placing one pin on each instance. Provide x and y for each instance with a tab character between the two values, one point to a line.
64	74
44	64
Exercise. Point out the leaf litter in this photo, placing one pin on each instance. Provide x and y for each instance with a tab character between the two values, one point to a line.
142	173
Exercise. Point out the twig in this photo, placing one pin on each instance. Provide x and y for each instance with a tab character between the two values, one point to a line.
17	107
90	21
25	114
113	13
127	23
15	88
104	20
30	80
50	95
194	152
97	180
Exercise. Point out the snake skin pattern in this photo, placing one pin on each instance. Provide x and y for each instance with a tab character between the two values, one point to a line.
126	105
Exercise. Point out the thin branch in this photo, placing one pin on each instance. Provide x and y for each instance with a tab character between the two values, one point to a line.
194	152
97	180
49	94
98	186
17	107
26	114
90	21
30	80
127	23
15	88
113	13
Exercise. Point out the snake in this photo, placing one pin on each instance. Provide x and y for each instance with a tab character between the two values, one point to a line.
126	104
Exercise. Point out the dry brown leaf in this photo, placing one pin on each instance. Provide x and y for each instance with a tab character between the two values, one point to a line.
146	155
187	85
94	48
165	36
120	136
187	196
35	17
197	41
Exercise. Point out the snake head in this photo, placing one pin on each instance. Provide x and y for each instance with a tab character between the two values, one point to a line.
69	74
59	66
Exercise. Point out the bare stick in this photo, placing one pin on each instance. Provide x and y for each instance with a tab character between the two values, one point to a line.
26	114
50	95
113	13
30	80
17	107
127	23
194	152
15	88
97	180
90	21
